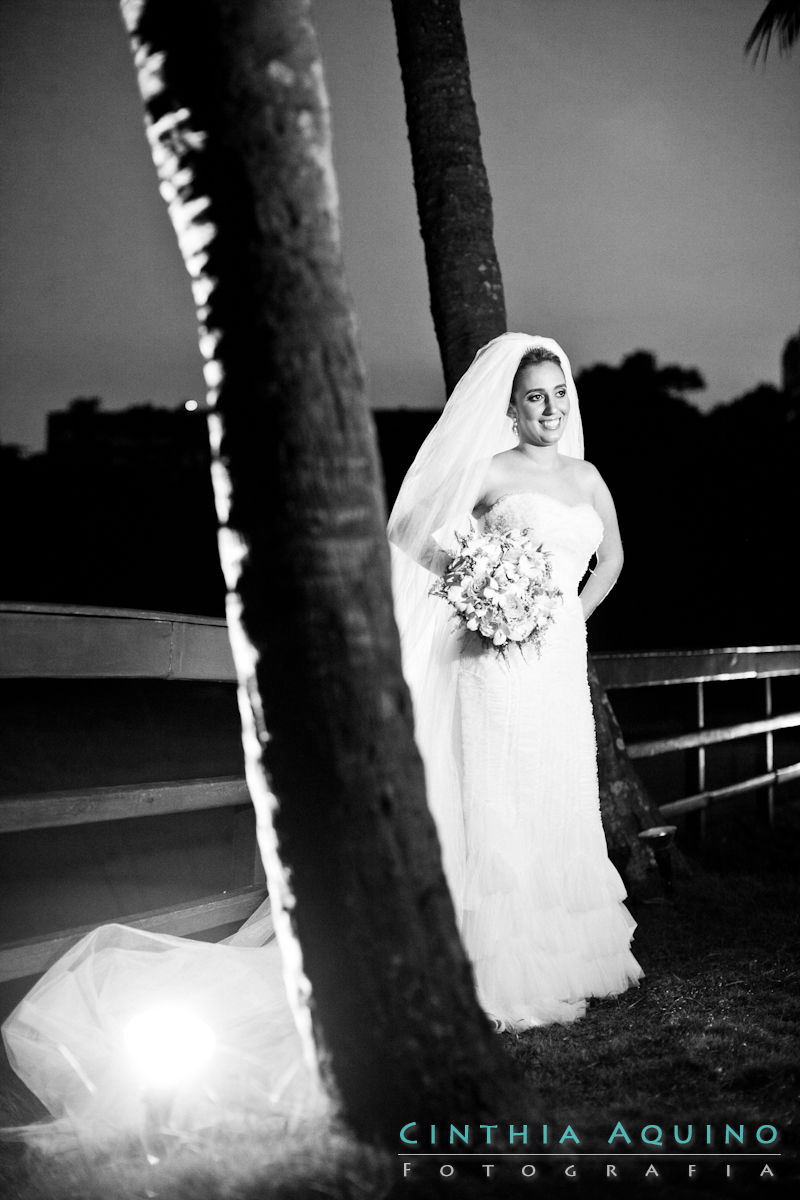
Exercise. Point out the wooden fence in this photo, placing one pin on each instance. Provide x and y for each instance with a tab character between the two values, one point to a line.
698	668
57	642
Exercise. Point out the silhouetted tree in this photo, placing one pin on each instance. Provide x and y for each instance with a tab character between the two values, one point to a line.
790	368
757	439
780	17
649	441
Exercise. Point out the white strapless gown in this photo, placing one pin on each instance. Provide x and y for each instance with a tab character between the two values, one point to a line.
543	923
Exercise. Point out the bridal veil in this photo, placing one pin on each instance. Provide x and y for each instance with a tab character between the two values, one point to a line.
435	501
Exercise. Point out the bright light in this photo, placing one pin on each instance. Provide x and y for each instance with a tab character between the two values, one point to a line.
190	405
168	1045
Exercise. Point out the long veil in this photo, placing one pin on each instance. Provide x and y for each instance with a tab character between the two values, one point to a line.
65	1038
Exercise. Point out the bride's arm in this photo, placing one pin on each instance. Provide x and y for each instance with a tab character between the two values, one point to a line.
413	530
609	553
413	534
430	555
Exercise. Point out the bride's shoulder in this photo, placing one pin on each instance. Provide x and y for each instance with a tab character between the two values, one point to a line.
497	469
495	479
583	471
586	479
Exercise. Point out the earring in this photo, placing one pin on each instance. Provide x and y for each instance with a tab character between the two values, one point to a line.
514	428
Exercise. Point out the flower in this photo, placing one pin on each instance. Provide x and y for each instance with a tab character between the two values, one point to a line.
500	587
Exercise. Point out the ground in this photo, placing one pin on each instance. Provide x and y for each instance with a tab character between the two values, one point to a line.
708	1038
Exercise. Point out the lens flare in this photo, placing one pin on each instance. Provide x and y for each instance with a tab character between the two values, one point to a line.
168	1045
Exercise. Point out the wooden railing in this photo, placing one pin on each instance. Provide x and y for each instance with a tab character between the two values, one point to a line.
56	642
697	668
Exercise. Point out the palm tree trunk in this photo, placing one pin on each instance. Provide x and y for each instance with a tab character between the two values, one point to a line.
237	119
453	197
468	307
625	805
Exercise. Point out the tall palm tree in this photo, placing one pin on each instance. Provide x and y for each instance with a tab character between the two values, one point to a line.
237	118
780	17
468	305
454	202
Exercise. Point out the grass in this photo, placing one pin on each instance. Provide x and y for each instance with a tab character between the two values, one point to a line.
709	1037
230	1162
710	1031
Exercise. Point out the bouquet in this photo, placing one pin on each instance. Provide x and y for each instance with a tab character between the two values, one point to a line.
500	585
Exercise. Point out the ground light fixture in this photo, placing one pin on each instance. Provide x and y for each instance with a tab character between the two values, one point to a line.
168	1046
660	839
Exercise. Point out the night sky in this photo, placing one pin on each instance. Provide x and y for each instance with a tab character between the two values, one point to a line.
645	182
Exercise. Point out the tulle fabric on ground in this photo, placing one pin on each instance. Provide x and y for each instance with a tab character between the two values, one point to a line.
66	1037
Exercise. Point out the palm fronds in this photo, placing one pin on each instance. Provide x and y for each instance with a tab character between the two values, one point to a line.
780	17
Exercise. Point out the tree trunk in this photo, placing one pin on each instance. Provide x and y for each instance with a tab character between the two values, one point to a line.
468	306
626	807
237	119
453	197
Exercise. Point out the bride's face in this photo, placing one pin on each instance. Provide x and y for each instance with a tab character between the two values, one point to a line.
540	400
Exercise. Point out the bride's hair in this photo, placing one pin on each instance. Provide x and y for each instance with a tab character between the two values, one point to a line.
532	358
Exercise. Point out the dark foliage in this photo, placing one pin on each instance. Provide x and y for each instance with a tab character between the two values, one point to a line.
119	512
704	502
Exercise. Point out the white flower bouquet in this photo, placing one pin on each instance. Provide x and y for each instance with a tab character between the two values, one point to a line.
500	586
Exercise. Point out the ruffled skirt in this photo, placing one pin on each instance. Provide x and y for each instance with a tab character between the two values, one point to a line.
543	920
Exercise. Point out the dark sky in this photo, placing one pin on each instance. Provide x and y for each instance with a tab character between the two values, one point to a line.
645	180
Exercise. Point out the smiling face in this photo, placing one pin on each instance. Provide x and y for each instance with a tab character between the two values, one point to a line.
540	402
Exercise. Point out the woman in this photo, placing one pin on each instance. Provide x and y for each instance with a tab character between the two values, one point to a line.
509	758
508	742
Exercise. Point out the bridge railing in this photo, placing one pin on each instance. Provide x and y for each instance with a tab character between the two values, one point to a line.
66	642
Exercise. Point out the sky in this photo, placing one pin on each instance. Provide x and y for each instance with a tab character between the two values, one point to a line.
646	184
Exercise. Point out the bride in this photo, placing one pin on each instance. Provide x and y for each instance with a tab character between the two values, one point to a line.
509	753
508	742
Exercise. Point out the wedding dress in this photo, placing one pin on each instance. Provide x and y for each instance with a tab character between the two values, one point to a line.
543	920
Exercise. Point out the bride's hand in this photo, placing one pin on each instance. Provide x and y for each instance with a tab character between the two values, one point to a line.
439	561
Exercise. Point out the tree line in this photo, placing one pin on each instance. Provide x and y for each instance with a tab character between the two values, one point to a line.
705	504
704	501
